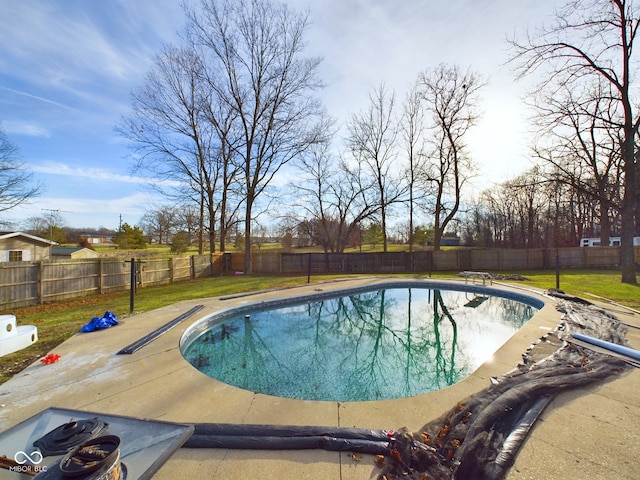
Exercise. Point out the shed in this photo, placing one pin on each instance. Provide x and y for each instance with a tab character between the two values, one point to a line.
73	253
24	247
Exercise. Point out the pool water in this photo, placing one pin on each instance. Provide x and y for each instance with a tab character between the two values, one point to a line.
364	345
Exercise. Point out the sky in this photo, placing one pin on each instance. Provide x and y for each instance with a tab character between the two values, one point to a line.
67	69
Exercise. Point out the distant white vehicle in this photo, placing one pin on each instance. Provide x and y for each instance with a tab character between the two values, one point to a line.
613	242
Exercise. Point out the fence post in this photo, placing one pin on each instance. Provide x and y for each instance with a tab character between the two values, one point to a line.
100	275
132	289
41	281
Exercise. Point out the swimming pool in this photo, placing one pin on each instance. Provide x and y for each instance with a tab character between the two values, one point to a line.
392	341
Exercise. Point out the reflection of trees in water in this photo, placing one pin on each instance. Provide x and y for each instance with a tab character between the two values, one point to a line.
445	367
201	357
515	313
506	311
377	344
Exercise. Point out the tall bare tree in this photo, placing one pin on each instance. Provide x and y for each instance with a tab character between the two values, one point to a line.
371	139
413	132
16	183
594	40
171	137
229	200
450	97
254	55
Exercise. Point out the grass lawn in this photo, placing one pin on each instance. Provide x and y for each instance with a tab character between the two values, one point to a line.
586	283
58	321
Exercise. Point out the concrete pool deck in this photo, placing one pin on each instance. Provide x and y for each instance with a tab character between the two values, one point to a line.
585	433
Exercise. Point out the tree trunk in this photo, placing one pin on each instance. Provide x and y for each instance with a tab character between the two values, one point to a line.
201	228
248	267
627	260
627	257
605	224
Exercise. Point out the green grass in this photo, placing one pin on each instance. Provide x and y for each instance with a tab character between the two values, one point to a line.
581	283
58	321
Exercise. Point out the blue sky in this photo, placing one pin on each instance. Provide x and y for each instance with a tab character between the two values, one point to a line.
67	68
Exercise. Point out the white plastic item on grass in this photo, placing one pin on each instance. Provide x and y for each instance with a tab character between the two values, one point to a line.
13	337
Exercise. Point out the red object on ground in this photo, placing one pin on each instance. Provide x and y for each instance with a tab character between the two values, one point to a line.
49	359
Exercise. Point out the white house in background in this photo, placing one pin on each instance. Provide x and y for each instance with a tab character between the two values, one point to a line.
98	239
24	247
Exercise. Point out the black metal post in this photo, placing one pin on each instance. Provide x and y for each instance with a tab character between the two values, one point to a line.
309	269
132	291
557	271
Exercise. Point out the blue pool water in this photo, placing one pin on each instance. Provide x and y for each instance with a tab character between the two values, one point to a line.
356	346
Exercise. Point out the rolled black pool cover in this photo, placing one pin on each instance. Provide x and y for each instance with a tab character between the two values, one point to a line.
514	441
289	437
138	344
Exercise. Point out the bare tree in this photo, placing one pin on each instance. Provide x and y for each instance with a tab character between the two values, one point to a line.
38	225
450	98
527	192
160	223
16	183
371	140
413	132
254	56
50	226
222	196
188	221
583	150
593	40
332	198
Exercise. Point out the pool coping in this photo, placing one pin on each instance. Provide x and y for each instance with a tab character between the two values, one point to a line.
157	383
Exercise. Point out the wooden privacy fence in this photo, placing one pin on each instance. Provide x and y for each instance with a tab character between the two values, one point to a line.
444	260
30	283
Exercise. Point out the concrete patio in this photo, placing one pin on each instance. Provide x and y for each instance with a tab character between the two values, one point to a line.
587	433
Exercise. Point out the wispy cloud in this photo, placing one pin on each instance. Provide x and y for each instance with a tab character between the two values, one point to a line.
92	47
25	128
133	205
96	174
36	97
89	212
